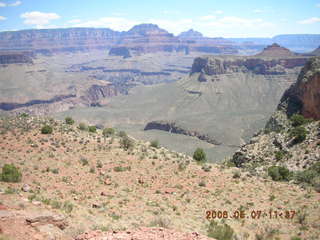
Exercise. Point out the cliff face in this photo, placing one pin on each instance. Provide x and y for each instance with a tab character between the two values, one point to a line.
304	96
278	144
143	38
172	127
257	65
15	57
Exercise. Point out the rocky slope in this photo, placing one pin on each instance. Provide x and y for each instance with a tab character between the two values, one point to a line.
289	139
82	185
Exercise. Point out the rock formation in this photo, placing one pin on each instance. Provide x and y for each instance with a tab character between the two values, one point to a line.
277	144
120	51
257	65
15	57
190	35
172	127
275	50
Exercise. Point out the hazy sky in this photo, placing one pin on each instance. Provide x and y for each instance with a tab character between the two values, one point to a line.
223	18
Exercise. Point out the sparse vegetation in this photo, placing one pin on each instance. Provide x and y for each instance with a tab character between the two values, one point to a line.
220	231
279	155
46	129
10	173
126	143
310	176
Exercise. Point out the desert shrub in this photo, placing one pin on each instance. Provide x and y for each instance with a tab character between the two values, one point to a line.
126	143
122	134
67	207
161	222
298	120
107	132
315	182
199	155
220	232
24	115
69	120
46	129
155	144
236	174
10	173
278	173
121	169
83	127
299	134
310	176
84	161
92	129
279	155
295	238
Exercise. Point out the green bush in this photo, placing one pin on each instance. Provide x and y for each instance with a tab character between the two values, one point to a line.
10	173
92	129
126	143
107	132
298	120
199	155
279	155
220	232
46	129
155	144
69	120
278	173
299	134
83	127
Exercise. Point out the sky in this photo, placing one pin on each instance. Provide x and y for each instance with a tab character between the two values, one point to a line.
213	18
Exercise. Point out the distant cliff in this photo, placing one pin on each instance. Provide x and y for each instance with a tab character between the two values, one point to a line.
141	38
15	57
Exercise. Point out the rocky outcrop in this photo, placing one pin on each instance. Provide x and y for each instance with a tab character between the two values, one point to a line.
96	93
172	127
277	144
120	51
304	96
275	50
211	65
